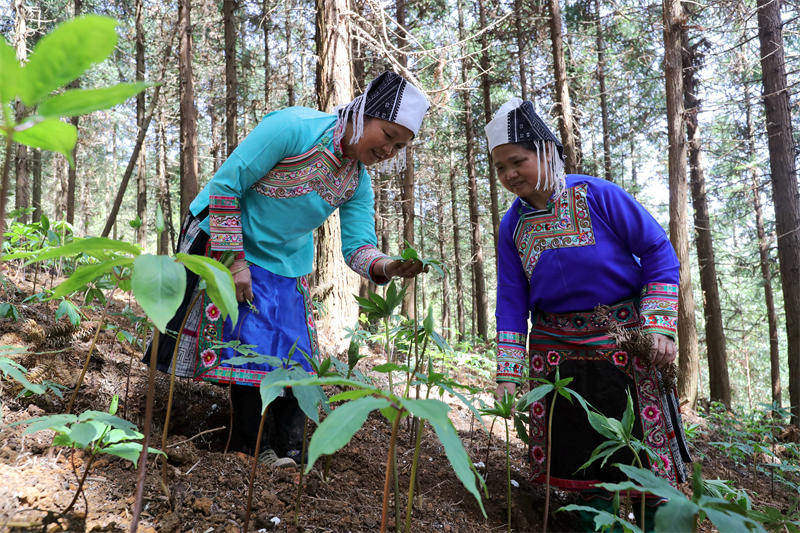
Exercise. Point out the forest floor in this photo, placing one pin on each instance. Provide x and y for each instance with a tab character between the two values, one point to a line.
208	488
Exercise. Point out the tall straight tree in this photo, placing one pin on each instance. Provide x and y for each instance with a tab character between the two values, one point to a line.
522	38
231	82
763	251
719	382
601	81
688	361
289	67
36	185
478	280
785	194
487	113
566	119
73	168
22	189
335	283
141	170
408	178
266	26
188	111
456	243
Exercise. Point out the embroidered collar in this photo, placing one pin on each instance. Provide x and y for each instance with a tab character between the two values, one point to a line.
551	203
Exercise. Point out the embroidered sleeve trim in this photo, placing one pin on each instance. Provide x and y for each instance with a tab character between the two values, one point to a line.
362	259
659	309
511	356
225	224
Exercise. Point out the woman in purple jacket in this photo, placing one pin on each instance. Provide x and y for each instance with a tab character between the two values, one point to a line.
567	245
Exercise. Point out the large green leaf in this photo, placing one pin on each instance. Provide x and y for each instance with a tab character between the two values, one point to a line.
85	274
603	519
129	450
219	282
64	54
435	412
158	284
9	67
340	426
47	422
49	134
309	398
84	433
534	395
107	419
267	389
677	514
81	101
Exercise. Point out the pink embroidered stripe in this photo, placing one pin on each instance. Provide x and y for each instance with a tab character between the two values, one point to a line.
225	224
362	260
659	308
511	355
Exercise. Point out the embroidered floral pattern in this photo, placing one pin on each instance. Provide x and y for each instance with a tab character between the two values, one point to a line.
302	288
510	356
319	170
208	357
569	225
225	224
537	409
620	358
659	308
362	259
212	312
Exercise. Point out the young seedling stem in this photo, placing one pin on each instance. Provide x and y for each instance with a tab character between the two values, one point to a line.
389	463
148	416
78	384
302	470
253	471
547	470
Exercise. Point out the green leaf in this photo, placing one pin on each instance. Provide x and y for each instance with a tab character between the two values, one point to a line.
86	274
603	519
107	419
628	418
339	427
309	398
119	435
534	395
385	368
728	516
127	450
435	412
84	433
68	308
93	246
219	282
651	482
676	515
45	223
81	101
49	134
65	53
349	395
10	68
47	422
268	390
427	324
158	285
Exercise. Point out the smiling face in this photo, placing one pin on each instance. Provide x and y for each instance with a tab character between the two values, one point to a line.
380	141
522	171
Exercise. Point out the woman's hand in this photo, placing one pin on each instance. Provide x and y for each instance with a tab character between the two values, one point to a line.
663	350
242	281
403	268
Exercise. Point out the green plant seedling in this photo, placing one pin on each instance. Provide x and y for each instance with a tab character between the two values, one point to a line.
96	433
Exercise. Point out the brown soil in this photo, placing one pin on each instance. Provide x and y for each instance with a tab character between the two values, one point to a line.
208	489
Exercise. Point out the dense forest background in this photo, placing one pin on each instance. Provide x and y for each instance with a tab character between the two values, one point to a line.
603	73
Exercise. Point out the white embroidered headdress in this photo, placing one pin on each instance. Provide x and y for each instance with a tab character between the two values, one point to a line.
517	122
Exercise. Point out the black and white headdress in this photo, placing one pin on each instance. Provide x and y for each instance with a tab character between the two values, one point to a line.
389	97
517	122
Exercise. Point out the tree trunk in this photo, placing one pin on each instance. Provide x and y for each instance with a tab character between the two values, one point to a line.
36	200
72	169
407	196
479	281
719	382
267	26
141	169
601	80
163	187
763	253
688	363
22	165
188	111
288	58
335	281
383	209
456	245
231	140
566	120
522	37
785	194
487	112
445	278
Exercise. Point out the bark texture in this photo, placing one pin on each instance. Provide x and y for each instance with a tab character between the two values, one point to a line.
785	193
231	82
188	111
566	119
688	360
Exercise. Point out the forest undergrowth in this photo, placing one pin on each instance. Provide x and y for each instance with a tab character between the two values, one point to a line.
207	487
